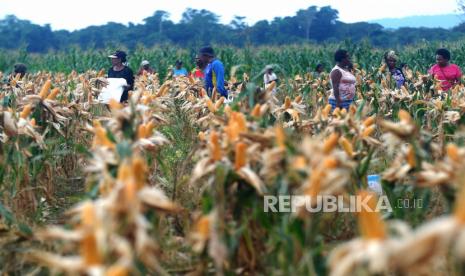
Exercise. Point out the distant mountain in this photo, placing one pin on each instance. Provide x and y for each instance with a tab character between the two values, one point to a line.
430	21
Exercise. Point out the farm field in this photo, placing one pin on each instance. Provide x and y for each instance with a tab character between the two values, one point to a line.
175	182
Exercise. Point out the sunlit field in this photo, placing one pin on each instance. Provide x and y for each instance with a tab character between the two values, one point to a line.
174	182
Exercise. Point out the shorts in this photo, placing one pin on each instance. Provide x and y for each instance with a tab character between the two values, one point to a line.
344	103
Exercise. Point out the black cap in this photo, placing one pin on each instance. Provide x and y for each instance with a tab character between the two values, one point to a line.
119	54
208	51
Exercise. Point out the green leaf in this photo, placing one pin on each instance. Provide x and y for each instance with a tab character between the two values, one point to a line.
6	215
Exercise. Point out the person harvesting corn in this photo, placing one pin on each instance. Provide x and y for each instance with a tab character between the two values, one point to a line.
447	73
342	81
390	58
120	70
214	73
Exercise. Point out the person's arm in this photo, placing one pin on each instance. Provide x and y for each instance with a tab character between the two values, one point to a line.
219	73
458	75
336	76
130	79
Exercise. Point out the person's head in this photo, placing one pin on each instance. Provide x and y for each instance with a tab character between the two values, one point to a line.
269	69
442	57
319	68
145	64
178	64
118	58
390	58
206	54
20	69
199	63
342	57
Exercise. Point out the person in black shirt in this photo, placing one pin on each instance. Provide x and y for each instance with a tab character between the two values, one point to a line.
119	70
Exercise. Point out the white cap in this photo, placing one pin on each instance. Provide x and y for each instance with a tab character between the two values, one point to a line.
268	67
144	62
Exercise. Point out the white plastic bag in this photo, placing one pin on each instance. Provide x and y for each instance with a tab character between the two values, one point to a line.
113	90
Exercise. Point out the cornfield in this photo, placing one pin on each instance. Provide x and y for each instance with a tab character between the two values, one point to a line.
175	182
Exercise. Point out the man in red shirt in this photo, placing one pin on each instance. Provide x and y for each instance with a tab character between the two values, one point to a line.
198	73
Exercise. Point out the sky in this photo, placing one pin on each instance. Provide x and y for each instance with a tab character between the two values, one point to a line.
77	14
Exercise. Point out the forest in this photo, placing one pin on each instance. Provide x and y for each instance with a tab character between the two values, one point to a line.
201	27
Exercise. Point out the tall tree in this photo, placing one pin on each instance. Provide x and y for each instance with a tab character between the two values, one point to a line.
306	17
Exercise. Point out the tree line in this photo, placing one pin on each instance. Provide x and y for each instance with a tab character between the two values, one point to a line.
201	27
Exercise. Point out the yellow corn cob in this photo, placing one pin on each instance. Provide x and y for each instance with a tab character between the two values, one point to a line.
101	73
202	227
298	99
347	146
141	131
53	94
371	225
368	131
326	111
117	270
101	136
215	147
270	87
287	103
314	184
411	159
219	103
124	172
44	91
404	116
149	128
26	111
241	155
88	245
256	111
210	106
330	143
299	163
330	163
453	152
115	105
280	137
369	121
139	170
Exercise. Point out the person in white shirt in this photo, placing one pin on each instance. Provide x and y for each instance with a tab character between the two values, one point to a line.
269	77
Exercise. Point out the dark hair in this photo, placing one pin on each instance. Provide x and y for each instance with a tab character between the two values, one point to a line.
207	51
20	68
444	53
178	62
340	55
318	66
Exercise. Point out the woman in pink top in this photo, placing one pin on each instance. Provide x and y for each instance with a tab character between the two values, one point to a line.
449	74
342	81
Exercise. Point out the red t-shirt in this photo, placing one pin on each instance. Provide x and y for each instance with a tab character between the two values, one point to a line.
197	73
448	75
